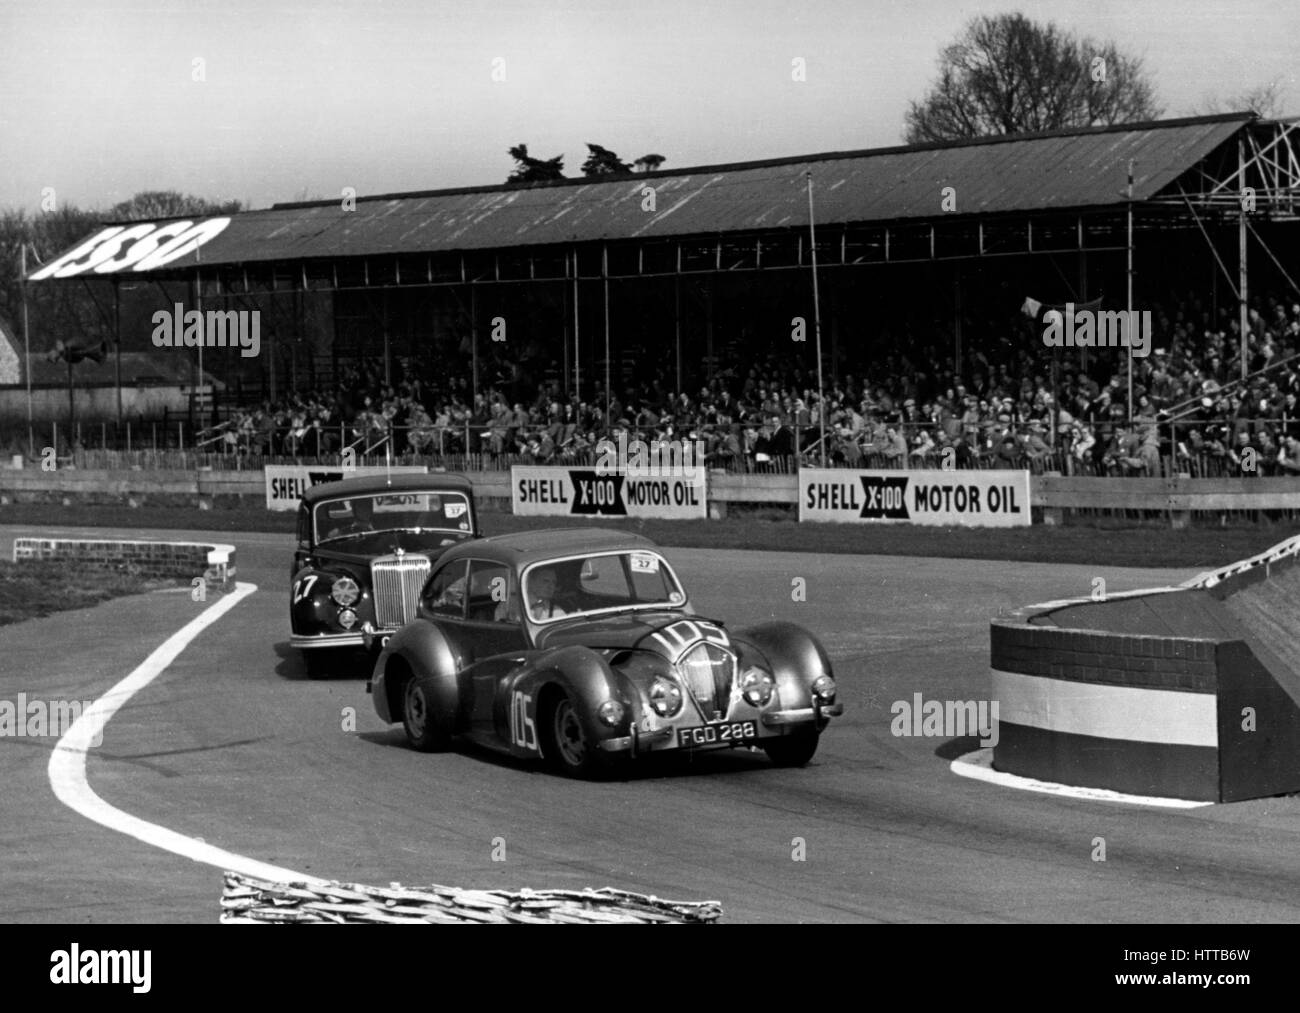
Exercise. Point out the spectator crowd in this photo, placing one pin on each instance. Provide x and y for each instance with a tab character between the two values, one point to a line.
892	404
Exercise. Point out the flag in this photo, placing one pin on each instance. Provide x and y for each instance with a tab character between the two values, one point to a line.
1038	311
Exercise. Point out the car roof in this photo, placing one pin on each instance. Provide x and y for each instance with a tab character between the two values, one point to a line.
524	547
437	482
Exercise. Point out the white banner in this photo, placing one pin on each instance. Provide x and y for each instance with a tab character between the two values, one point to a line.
971	499
549	491
285	483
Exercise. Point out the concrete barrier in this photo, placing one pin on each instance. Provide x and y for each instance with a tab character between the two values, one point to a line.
1053	496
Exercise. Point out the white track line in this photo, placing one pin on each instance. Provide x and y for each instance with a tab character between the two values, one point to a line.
68	763
979	766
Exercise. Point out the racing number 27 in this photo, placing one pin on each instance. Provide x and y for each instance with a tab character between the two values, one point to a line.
523	732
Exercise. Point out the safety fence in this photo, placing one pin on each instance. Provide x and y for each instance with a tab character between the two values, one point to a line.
1179	448
246	900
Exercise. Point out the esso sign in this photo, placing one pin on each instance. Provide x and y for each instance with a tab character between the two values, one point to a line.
141	247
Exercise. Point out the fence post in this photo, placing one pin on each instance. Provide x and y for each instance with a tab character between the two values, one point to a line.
1179	519
1053	516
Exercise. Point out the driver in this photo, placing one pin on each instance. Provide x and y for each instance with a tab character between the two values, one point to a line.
541	595
363	519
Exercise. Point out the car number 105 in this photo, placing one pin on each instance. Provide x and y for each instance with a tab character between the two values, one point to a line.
707	735
523	732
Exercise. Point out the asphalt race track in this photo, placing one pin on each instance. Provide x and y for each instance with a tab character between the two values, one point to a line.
233	744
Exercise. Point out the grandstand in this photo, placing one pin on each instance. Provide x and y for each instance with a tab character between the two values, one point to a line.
501	324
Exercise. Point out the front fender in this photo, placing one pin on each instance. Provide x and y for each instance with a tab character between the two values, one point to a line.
793	656
587	678
420	649
312	612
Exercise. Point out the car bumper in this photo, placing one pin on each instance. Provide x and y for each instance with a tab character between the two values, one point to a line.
307	642
367	636
800	715
664	739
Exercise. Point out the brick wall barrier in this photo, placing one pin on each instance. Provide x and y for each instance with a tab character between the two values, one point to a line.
214	562
1172	692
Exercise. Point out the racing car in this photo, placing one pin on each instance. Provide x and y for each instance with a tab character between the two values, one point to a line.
365	547
579	647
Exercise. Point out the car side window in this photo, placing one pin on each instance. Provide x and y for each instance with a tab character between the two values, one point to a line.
304	527
490	590
444	595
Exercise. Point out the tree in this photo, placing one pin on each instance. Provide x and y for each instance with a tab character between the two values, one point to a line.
603	162
148	205
649	163
1009	75
1265	99
534	170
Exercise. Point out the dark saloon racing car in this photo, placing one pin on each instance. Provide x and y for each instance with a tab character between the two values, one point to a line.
580	647
365	548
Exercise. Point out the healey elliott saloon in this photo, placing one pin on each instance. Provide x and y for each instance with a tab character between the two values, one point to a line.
365	548
579	646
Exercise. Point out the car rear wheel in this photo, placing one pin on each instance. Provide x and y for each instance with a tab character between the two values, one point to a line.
420	718
570	751
792	750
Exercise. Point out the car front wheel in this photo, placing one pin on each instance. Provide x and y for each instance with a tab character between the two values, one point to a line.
570	751
420	717
792	750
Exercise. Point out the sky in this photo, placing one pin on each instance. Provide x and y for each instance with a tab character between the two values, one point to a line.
298	100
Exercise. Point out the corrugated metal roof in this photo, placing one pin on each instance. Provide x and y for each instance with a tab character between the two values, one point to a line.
1064	169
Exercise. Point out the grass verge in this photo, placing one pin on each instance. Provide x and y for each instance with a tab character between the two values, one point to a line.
1105	543
43	587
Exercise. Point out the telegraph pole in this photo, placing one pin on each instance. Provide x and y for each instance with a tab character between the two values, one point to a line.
1130	286
817	321
27	350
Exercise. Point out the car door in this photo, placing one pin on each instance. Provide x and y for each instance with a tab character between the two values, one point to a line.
495	645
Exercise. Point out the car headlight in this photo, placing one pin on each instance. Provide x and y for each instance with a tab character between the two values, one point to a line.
345	591
824	687
347	618
756	686
610	712
665	697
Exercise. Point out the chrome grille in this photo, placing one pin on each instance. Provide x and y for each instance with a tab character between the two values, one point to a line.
709	672
396	582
